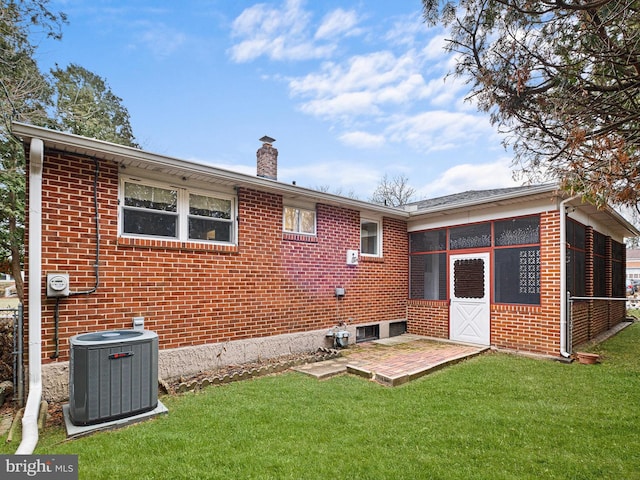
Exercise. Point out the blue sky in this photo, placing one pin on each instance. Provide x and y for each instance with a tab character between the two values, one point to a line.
351	90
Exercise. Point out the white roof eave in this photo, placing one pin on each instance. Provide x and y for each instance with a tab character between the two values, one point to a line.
125	155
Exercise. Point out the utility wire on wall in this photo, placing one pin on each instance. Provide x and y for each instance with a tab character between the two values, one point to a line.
96	266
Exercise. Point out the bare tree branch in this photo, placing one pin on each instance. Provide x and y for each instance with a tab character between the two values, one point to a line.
393	192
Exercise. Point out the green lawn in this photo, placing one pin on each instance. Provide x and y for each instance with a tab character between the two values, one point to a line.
495	416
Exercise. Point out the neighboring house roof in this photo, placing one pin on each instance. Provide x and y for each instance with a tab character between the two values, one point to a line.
633	259
423	209
633	254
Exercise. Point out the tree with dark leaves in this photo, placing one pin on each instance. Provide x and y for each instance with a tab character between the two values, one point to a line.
85	105
562	79
25	95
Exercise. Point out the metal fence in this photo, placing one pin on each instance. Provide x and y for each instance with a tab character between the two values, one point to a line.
15	316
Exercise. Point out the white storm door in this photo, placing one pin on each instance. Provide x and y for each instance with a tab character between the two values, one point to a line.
469	282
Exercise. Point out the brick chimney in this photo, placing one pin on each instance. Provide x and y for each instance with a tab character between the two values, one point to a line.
267	157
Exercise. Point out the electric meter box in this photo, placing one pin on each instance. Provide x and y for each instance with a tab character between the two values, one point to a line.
57	284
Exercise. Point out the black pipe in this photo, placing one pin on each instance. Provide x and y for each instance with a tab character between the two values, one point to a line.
96	266
56	321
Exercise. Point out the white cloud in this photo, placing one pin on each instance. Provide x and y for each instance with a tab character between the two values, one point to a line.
344	105
161	40
285	33
336	23
435	49
362	140
344	176
437	130
361	85
412	88
406	30
450	93
391	96
481	176
260	20
357	73
384	84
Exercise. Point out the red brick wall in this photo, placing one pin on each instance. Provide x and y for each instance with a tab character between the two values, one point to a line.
270	283
429	318
192	294
580	320
617	313
592	318
599	317
520	327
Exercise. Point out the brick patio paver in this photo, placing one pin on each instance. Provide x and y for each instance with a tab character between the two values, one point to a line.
394	364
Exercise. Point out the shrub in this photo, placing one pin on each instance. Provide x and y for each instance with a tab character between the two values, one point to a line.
6	349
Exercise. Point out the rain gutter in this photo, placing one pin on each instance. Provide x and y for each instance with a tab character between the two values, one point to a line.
565	350
122	154
32	409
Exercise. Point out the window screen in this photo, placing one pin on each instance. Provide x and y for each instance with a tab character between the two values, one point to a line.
517	231
430	241
428	276
209	218
369	238
617	269
150	210
470	236
299	220
517	275
178	213
576	272
599	265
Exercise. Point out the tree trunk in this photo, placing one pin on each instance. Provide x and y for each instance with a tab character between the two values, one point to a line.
16	271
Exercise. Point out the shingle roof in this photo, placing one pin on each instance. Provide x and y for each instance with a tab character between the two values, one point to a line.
472	196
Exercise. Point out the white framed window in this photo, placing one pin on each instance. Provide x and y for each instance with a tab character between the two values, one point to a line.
153	209
370	238
299	220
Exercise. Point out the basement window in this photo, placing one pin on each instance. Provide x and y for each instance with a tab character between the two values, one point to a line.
397	328
367	333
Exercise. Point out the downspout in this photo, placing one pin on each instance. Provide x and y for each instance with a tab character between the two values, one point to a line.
564	351
30	418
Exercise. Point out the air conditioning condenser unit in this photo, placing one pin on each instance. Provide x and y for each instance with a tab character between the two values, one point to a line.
112	375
